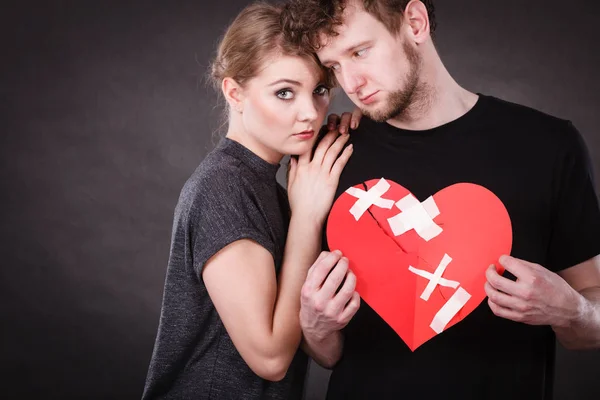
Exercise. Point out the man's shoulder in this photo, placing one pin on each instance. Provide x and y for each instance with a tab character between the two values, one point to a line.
527	114
529	121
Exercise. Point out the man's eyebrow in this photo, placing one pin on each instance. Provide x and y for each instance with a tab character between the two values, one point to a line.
349	50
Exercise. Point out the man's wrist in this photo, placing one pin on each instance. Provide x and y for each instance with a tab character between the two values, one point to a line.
320	338
579	315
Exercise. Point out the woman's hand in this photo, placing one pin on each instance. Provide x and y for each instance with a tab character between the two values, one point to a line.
312	182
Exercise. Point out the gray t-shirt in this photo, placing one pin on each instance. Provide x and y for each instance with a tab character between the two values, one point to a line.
232	195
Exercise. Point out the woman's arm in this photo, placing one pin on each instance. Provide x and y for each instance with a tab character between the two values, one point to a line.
259	311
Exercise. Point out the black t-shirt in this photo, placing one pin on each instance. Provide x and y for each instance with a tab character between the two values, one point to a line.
538	166
232	195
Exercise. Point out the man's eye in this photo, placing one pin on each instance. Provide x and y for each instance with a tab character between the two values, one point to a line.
361	52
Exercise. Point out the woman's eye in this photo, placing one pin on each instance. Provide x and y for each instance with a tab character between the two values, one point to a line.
321	90
285	94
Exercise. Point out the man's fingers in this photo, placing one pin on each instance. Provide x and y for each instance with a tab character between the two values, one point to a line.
335	278
499	282
505	312
318	260
322	256
344	295
332	121
351	308
519	268
344	126
356	117
321	269
503	299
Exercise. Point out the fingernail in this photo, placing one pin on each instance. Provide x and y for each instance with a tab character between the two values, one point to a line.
353	124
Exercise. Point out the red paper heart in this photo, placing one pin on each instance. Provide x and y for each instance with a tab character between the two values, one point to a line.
476	231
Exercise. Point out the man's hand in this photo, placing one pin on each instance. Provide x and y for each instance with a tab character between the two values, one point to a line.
322	310
537	297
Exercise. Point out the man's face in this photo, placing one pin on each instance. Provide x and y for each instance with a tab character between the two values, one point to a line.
379	71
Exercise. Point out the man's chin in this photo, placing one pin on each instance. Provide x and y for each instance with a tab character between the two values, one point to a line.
376	115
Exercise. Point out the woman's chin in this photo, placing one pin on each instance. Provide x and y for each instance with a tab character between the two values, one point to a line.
300	147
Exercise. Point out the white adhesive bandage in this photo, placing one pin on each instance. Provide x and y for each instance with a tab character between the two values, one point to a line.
435	278
369	198
449	310
417	216
429	275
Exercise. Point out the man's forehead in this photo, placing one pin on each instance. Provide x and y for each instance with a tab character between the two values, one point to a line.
346	32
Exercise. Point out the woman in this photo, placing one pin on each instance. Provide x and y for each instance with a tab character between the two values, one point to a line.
229	323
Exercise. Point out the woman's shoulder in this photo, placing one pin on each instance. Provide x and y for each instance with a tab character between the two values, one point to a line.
218	178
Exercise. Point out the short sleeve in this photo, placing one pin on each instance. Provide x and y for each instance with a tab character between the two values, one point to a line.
223	211
575	235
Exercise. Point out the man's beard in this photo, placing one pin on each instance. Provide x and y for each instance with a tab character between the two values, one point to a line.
402	99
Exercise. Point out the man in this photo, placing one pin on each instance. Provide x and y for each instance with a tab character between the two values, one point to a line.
427	133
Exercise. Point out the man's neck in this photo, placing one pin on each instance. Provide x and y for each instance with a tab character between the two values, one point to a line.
441	100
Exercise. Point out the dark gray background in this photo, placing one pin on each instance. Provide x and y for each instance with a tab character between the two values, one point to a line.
105	114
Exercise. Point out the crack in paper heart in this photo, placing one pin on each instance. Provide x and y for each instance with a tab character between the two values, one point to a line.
440	224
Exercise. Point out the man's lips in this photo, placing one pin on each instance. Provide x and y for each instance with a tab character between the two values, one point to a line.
368	99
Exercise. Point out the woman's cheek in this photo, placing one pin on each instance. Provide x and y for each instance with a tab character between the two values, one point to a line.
280	115
323	106
268	111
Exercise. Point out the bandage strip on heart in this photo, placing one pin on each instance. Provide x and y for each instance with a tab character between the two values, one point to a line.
420	217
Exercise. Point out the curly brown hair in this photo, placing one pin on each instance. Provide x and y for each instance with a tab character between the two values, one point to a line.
257	33
307	20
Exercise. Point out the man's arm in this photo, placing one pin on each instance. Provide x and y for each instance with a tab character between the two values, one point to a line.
326	351
323	312
568	301
583	331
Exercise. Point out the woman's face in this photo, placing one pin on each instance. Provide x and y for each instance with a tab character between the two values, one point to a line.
283	107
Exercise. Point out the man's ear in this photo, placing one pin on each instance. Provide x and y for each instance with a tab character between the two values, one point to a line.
416	20
234	94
